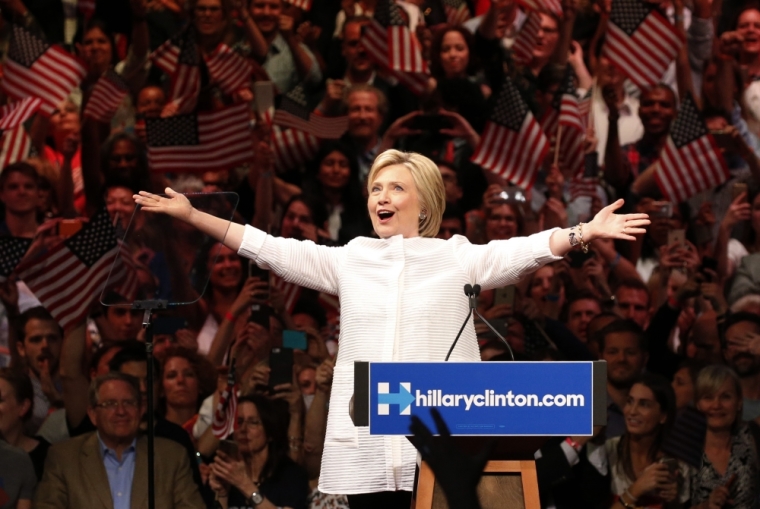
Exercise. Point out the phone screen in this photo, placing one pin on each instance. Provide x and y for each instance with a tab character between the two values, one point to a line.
281	365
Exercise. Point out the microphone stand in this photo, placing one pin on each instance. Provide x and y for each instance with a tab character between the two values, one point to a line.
472	293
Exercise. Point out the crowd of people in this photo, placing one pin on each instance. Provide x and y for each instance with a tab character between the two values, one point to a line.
676	313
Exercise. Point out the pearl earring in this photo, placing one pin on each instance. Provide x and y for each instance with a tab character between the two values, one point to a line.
423	216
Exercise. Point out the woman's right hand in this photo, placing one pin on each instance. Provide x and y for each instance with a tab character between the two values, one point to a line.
175	204
254	290
655	477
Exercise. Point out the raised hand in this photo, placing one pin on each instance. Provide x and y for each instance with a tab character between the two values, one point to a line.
608	225
174	204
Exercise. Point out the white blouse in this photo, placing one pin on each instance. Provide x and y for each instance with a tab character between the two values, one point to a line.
401	300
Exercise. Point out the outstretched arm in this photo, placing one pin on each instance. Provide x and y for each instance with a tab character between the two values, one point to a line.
178	206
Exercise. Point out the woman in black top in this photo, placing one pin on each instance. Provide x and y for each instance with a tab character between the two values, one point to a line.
263	476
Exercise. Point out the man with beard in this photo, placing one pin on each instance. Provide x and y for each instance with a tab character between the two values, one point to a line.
738	328
623	345
39	347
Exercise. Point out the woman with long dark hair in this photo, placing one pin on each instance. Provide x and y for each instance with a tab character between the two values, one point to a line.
640	473
335	181
263	472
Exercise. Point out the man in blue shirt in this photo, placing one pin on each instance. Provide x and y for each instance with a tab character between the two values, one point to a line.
107	469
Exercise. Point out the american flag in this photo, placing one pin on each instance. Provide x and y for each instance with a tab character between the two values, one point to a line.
389	42
107	94
553	6
228	69
16	113
457	11
294	112
12	250
180	59
225	413
691	161
641	41
582	186
522	49
301	4
200	141
71	274
35	68
17	144
513	144
291	292
293	148
565	112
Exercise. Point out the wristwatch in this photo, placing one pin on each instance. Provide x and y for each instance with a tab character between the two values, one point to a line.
255	498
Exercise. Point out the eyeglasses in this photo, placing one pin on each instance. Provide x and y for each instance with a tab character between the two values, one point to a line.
112	404
250	423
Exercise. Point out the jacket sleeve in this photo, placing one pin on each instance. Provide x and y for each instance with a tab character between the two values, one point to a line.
504	262
185	490
301	262
52	492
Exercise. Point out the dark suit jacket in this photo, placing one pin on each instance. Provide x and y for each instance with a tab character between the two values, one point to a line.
75	477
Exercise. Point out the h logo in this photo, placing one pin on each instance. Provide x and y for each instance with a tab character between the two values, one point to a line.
403	398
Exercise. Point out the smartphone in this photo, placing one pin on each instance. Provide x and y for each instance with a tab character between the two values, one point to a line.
737	189
578	258
256	271
676	237
260	314
294	339
169	324
722	138
430	122
263	96
281	365
663	210
671	463
230	448
591	165
504	295
69	227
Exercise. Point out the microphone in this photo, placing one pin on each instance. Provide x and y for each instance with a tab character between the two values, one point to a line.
472	292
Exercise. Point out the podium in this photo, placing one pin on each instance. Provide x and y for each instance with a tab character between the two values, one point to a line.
521	404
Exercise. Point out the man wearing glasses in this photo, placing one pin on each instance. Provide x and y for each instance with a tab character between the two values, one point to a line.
107	469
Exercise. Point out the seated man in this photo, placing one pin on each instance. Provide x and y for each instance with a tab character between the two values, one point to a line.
108	468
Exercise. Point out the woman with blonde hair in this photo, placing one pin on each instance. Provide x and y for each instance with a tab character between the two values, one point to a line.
729	467
405	287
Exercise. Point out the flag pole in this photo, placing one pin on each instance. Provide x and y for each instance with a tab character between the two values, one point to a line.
556	144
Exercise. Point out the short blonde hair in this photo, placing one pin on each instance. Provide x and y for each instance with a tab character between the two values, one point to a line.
427	178
711	378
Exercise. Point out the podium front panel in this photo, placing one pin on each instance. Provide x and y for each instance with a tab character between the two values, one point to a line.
479	398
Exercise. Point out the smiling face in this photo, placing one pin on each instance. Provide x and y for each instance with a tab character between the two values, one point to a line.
748	27
393	203
546	38
224	269
266	14
721	407
96	48
643	414
455	55
119	419
657	110
624	356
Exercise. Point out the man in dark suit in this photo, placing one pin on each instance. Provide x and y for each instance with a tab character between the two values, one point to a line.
107	469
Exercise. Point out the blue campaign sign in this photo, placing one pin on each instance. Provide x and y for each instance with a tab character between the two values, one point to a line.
483	398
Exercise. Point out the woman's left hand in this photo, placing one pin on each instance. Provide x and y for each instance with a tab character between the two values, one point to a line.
230	471
608	225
